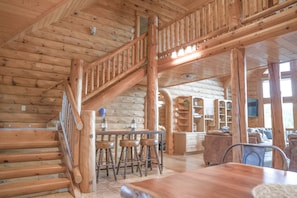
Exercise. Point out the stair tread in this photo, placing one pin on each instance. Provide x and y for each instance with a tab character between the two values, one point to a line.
28	144
29	187
30	156
16	172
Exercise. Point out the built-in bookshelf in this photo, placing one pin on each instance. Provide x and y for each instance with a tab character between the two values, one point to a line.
190	114
223	113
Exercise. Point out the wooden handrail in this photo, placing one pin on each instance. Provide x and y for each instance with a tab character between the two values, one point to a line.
78	121
114	53
109	69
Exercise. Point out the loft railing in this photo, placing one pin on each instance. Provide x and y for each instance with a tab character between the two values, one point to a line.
254	10
71	125
112	67
210	21
207	21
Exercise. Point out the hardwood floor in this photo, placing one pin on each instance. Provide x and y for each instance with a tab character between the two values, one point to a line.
108	188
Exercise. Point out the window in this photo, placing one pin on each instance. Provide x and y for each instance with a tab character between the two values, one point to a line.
285	86
286	91
283	67
288	115
143	25
266	89
267	116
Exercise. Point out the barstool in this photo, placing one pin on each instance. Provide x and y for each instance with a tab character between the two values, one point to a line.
106	146
129	145
146	145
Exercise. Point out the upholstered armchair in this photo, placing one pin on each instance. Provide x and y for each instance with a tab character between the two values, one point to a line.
216	142
291	152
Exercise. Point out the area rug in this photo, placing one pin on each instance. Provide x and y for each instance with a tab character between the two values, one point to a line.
275	191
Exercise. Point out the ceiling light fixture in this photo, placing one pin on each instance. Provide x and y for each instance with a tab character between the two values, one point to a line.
188	76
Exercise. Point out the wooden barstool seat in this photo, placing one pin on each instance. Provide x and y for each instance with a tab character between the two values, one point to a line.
105	146
148	146
129	146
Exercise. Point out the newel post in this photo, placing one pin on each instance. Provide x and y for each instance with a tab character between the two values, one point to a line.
76	77
87	152
152	75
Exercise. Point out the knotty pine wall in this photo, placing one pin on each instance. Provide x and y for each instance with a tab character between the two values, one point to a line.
121	110
33	67
207	89
254	89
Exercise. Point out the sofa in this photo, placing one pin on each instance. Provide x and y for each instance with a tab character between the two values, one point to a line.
216	142
291	151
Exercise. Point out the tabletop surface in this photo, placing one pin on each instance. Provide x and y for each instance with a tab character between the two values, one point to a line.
226	180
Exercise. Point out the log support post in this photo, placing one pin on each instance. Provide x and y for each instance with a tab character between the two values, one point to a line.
278	129
88	152
152	76
239	95
76	77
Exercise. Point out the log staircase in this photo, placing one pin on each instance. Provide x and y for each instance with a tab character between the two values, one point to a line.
31	163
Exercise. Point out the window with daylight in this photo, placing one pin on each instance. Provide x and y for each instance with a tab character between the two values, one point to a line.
285	86
288	115
286	91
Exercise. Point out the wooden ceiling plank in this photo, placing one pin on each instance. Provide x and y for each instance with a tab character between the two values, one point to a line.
17	10
62	9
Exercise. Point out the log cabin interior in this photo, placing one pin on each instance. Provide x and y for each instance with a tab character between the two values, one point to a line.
186	67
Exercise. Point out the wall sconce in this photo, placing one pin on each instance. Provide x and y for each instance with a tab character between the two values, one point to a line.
93	30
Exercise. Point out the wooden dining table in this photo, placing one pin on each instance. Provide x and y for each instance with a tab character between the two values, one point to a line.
222	181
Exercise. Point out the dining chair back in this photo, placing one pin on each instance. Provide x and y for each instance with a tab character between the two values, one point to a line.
254	154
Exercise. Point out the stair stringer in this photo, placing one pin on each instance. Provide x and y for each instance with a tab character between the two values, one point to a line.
115	89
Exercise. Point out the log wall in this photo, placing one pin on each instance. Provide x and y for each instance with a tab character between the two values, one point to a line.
121	110
33	67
